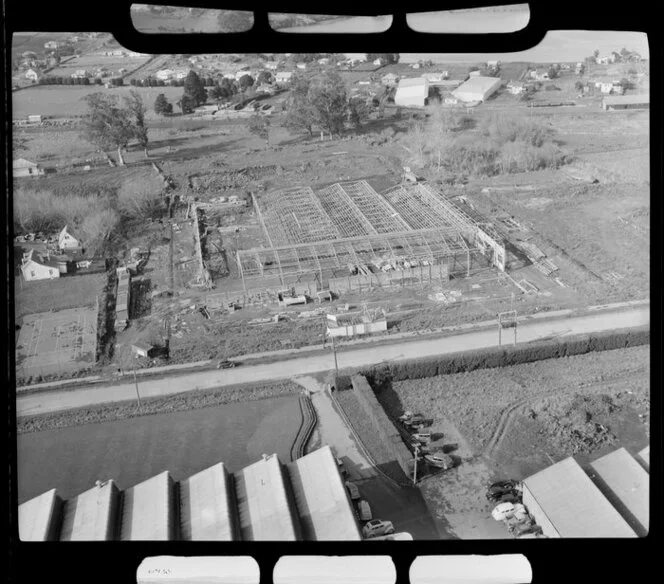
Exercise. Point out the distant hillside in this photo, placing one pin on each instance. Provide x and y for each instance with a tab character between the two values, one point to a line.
282	20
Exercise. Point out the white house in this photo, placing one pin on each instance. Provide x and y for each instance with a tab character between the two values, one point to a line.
433	78
35	119
415	65
450	100
539	75
229	76
80	73
379	61
180	73
67	241
412	92
37	267
23	167
323	61
515	87
492	64
389	79
32	75
272	66
164	74
301	65
51	45
283	76
477	89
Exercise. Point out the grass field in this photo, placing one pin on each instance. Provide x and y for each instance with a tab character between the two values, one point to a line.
130	451
66	101
56	342
58	294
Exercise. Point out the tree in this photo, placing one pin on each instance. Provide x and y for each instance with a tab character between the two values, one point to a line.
194	88
187	104
246	81
260	126
137	109
264	77
235	20
328	98
440	127
595	54
162	106
219	93
300	113
107	124
579	86
389	58
553	72
358	112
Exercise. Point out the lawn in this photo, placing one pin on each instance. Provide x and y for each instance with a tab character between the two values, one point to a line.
133	450
59	294
66	101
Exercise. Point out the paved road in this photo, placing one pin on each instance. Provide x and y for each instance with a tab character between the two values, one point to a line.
40	403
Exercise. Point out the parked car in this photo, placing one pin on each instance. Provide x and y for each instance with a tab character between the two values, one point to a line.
526	528
226	364
510	497
377	527
439	460
422	437
342	469
503	511
353	491
401	536
364	510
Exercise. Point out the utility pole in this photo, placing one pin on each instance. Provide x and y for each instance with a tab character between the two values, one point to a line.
334	350
417	454
138	395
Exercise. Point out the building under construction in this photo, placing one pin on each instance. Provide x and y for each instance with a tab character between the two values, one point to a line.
347	234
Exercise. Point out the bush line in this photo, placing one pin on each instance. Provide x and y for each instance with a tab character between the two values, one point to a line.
493	357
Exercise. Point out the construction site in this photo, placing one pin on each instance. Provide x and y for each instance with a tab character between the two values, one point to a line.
347	237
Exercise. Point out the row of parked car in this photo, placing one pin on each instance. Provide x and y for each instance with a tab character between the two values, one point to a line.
511	511
419	426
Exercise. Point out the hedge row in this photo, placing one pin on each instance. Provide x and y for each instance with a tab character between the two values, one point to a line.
505	356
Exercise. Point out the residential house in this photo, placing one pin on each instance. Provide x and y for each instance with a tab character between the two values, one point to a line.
379	61
412	92
516	87
35	266
32	75
283	77
450	100
141	349
67	241
80	74
415	65
565	66
323	61
389	79
51	45
539	75
492	64
434	78
301	66
181	73
23	167
272	66
230	76
35	119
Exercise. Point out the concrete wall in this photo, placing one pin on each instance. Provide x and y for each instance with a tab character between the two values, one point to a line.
384	427
362	328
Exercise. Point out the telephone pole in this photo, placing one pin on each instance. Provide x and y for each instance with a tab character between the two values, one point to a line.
138	395
334	350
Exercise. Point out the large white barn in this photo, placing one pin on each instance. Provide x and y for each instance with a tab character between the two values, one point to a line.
412	92
477	89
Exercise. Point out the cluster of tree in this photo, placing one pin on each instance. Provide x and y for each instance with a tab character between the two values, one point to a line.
322	103
111	123
389	58
234	20
50	80
502	144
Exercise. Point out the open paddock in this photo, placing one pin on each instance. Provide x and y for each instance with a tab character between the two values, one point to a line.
57	342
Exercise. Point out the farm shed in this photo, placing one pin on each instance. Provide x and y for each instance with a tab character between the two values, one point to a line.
644	456
92	515
627	485
207	506
22	167
263	503
477	89
208	569
141	349
565	503
622	102
148	510
412	92
325	511
39	518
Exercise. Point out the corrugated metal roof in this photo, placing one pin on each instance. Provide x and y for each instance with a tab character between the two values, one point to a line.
36	517
147	510
263	506
478	85
573	504
628	481
323	505
208	569
644	455
206	506
626	99
91	515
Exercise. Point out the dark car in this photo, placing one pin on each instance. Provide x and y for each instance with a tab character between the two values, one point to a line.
506	497
501	488
226	364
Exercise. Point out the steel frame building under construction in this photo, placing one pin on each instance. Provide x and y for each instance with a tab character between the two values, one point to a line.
349	229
